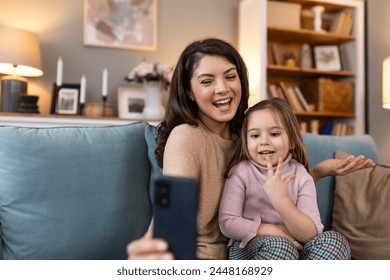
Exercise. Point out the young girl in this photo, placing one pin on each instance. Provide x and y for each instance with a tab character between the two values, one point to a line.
269	207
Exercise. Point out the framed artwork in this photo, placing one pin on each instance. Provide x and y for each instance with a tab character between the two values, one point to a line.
327	58
66	99
131	102
126	24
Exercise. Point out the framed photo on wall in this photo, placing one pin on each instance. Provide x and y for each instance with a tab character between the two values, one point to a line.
131	102
125	24
327	58
66	99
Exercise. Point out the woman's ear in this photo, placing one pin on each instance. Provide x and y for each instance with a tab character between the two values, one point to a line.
191	95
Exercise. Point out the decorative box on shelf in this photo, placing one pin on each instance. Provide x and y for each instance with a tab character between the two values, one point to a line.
283	14
329	95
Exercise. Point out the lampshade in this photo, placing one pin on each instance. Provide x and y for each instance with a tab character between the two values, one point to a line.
386	83
19	53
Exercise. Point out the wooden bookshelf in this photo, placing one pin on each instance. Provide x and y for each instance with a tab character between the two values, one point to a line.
271	41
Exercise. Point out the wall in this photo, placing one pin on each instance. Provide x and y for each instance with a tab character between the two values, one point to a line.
59	25
378	39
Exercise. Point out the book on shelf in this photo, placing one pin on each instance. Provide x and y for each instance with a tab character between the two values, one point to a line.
315	126
271	91
291	98
337	22
346	28
270	54
327	128
302	100
275	54
303	126
342	23
274	90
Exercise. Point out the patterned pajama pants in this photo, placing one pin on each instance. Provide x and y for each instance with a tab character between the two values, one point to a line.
329	245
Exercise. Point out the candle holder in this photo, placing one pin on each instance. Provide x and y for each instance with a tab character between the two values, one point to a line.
104	105
81	109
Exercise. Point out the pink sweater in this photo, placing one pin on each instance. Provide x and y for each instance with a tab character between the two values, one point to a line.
245	204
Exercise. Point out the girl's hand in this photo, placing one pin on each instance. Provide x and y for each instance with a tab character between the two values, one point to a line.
332	167
276	187
148	248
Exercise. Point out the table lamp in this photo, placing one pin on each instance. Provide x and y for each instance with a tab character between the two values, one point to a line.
20	57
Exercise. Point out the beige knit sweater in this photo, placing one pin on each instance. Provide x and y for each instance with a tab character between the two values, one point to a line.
197	153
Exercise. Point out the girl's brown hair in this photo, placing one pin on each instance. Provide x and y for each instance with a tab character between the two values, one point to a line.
290	123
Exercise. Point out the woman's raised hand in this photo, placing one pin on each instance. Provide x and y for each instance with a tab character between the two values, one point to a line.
331	167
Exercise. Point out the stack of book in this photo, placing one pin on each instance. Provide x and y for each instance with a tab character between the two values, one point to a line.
342	23
338	129
292	94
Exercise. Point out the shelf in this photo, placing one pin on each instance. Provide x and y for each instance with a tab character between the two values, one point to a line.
325	114
280	70
36	120
307	36
330	7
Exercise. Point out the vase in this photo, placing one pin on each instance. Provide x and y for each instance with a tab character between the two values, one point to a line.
153	108
318	10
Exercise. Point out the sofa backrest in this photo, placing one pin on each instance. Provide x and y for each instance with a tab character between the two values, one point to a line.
73	192
321	147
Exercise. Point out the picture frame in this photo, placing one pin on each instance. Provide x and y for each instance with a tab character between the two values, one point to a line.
327	58
66	99
121	24
131	102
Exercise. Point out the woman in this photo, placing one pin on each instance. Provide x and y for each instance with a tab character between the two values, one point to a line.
208	97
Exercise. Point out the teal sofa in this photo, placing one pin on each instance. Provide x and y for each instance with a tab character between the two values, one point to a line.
83	192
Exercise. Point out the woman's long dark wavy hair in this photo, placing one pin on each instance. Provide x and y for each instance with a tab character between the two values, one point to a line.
181	109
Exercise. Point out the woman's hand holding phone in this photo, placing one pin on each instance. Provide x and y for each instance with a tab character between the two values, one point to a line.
149	248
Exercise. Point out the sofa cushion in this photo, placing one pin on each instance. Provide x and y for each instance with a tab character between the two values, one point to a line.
321	147
72	192
361	211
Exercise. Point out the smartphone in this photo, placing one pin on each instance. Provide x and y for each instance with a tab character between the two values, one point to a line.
175	202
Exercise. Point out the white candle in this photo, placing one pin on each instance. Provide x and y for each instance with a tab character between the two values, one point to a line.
83	84
59	72
104	82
